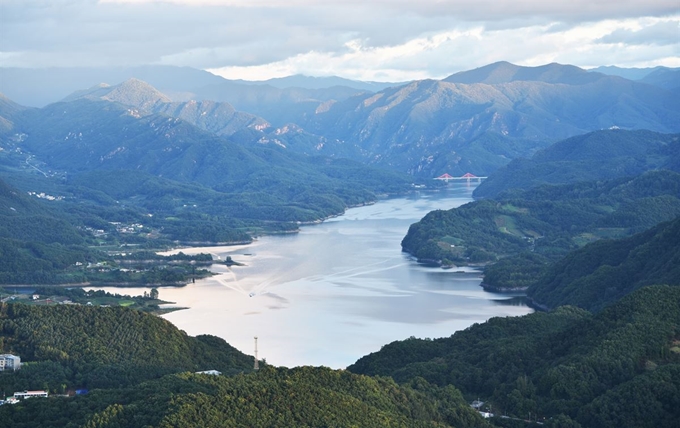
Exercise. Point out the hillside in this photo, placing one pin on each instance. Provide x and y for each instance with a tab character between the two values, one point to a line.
99	172
35	241
599	155
566	364
301	397
126	359
429	127
105	136
73	346
549	221
667	78
601	273
9	110
219	118
505	72
132	92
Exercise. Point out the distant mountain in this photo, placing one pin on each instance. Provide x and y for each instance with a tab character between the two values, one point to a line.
663	77
9	111
474	121
627	73
42	86
39	87
667	78
218	118
133	92
278	106
430	127
311	82
84	136
505	72
594	156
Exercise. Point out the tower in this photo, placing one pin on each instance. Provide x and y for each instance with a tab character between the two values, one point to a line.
256	366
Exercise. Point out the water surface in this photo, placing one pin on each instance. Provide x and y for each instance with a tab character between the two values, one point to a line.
338	290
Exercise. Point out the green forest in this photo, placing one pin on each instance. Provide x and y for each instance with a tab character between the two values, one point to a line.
601	273
569	367
136	365
617	368
547	220
595	156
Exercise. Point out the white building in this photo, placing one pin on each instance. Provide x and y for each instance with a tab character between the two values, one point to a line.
29	394
210	372
9	362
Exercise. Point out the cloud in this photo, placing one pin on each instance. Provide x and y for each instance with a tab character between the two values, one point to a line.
477	10
661	33
382	39
439	55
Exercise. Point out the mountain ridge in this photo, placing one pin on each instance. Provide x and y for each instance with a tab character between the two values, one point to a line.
593	156
426	127
505	72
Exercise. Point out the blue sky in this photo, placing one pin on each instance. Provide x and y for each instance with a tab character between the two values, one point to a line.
384	40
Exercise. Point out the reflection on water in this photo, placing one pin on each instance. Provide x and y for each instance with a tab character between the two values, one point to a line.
513	301
338	290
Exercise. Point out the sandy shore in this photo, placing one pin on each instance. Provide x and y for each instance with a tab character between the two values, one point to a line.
211	250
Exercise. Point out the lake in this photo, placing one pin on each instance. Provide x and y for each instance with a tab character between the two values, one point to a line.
337	290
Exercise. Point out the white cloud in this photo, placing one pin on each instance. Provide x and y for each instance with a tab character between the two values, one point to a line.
439	55
380	40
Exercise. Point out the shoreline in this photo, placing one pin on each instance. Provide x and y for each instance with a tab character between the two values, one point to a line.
495	289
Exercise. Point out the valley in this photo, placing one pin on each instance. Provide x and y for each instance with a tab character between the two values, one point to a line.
305	212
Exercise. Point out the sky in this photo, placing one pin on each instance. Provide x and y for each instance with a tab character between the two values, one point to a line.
379	40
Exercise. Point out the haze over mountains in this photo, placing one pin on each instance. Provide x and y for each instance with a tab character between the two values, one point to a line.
473	121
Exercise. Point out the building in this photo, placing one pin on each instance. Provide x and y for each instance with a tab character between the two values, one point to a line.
210	372
9	362
29	394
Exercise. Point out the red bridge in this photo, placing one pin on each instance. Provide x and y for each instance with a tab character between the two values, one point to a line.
446	177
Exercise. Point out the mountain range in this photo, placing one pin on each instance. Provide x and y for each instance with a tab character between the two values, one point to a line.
473	121
477	121
663	77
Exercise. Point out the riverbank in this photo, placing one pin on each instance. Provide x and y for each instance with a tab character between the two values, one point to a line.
496	289
147	302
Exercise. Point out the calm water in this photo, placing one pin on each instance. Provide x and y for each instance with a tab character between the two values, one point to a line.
338	290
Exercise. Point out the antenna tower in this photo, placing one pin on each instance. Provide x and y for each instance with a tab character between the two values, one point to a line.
256	366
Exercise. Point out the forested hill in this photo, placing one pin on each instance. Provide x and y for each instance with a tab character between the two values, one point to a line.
548	220
271	397
602	272
26	219
599	155
618	368
129	361
73	346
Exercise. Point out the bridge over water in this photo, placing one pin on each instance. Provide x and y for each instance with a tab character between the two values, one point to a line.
467	176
